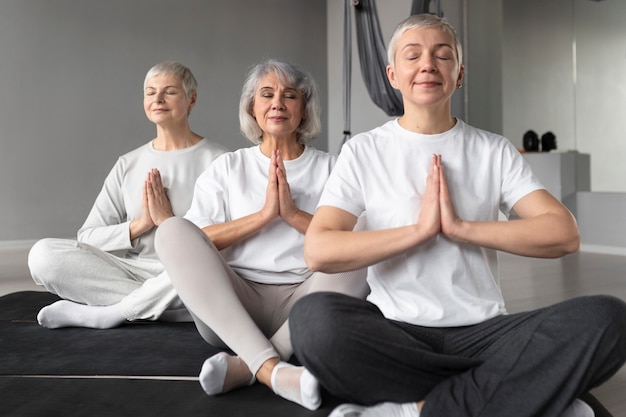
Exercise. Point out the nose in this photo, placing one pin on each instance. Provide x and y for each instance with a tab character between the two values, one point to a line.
428	64
277	102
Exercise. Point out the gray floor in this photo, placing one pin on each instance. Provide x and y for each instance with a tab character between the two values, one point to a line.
526	283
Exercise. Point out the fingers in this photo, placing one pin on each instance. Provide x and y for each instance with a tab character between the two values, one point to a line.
159	205
270	208
155	179
144	196
271	173
287	207
430	213
155	185
142	224
281	172
450	221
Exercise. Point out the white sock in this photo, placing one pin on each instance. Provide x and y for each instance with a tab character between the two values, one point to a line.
379	410
578	408
70	314
222	373
297	384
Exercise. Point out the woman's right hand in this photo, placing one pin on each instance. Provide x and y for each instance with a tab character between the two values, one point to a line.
271	208
143	223
228	233
429	222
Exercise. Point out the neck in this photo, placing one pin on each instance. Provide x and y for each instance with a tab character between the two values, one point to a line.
169	139
289	148
427	121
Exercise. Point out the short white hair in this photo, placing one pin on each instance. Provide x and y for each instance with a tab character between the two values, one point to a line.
422	21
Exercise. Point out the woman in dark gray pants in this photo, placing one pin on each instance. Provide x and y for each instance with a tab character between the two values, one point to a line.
434	336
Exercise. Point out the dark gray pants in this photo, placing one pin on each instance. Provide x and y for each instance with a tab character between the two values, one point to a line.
527	364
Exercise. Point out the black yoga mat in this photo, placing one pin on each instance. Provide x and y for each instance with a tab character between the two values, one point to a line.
139	369
127	371
143	348
21	397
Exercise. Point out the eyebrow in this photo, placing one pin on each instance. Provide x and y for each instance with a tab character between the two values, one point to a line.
437	46
167	86
272	88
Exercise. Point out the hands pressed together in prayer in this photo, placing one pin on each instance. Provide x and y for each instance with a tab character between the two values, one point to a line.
155	206
278	199
438	214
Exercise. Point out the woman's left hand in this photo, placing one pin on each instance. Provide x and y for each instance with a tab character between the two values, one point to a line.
288	211
286	206
451	223
158	202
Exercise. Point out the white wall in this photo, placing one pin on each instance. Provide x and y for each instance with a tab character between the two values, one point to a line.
72	74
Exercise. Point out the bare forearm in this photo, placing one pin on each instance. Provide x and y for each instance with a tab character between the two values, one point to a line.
544	236
226	234
138	227
300	220
334	251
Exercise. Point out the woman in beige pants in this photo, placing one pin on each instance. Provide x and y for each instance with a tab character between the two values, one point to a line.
236	259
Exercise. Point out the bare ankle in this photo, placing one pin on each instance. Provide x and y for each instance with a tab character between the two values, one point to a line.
264	374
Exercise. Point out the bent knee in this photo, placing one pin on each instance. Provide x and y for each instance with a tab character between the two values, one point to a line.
316	318
171	231
169	226
604	310
314	308
44	260
603	316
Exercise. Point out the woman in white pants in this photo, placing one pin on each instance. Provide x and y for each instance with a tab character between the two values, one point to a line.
111	273
237	259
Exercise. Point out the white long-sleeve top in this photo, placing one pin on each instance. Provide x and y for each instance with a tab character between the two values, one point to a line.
107	226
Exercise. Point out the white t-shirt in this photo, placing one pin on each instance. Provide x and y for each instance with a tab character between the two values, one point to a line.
383	173
107	226
234	186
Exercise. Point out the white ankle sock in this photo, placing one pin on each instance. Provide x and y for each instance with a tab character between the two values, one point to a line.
379	410
578	408
70	314
297	384
222	373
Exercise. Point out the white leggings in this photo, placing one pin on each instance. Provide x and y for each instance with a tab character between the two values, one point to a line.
230	311
85	274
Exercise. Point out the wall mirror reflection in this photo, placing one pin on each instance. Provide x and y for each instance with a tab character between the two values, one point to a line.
564	70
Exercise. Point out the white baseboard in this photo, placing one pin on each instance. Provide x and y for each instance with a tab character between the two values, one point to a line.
607	250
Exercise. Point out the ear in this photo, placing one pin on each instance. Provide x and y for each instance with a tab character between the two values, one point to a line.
461	76
192	101
391	75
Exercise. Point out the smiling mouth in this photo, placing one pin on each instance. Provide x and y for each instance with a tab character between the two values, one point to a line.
429	83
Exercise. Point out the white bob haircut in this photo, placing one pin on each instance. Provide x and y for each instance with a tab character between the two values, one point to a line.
422	21
190	85
293	76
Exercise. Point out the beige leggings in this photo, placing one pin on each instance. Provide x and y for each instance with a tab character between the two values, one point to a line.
229	311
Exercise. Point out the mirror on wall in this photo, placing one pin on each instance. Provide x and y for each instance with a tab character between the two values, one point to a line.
564	71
